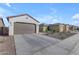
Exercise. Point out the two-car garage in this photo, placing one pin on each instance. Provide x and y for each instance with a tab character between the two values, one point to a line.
23	28
23	24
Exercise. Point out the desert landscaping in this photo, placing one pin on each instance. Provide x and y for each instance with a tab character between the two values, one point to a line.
7	45
58	30
60	36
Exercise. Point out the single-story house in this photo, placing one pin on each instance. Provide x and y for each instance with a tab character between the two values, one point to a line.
58	27
74	28
43	27
23	24
3	28
66	27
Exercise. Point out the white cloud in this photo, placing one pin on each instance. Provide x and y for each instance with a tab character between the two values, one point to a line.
3	13
76	22
49	19
76	16
76	19
45	19
2	10
55	20
8	4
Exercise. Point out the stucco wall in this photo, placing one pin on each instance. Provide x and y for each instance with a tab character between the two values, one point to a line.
54	28
25	19
1	23
61	28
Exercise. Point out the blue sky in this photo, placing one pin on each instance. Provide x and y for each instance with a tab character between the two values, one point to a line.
44	12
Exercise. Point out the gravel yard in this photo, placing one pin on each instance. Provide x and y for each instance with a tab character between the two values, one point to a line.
60	36
7	45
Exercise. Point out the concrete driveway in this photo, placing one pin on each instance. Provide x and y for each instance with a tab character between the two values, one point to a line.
33	44
29	44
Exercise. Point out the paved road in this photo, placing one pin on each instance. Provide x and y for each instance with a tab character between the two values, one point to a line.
31	43
42	45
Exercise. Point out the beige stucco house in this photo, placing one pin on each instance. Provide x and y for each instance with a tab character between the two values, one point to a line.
1	23
74	28
23	24
59	27
1	26
43	27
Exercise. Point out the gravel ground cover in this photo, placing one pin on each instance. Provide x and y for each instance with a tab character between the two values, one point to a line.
60	36
7	45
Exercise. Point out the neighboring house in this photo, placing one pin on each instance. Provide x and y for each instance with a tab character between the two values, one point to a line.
43	27
66	27
1	23
58	27
74	28
1	26
23	24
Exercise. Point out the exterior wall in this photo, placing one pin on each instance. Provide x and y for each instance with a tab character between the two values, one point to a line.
25	19
44	28
67	28
40	29
54	28
11	28
71	28
61	28
64	28
37	28
75	28
1	26
1	23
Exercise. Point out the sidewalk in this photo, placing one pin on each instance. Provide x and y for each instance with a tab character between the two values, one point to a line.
65	47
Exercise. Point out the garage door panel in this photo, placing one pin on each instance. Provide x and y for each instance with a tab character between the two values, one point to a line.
22	28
